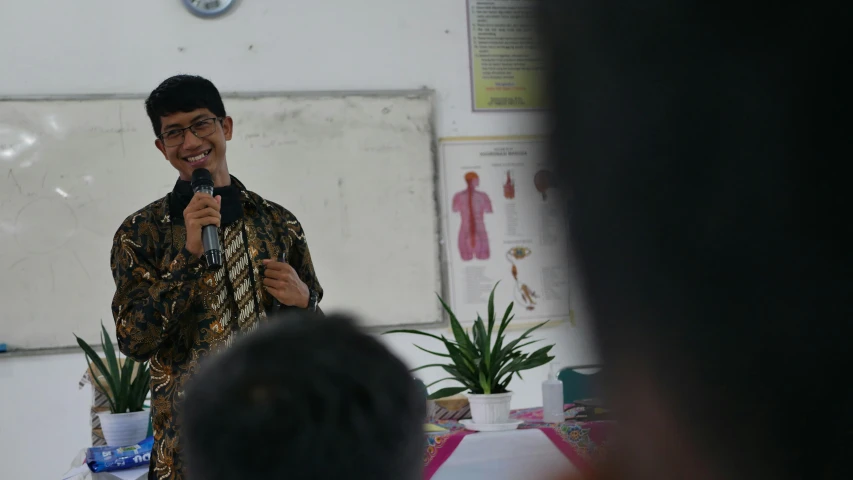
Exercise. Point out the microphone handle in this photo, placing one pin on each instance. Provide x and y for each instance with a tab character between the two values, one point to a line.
210	242
210	235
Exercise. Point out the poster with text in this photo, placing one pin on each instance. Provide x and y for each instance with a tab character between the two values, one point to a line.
507	66
504	221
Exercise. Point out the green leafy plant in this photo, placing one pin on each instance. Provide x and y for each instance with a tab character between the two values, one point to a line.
482	367
123	393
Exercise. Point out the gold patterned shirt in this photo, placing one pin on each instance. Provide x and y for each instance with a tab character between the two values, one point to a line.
173	311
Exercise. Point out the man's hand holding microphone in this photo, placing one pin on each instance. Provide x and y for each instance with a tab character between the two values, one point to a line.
203	210
202	218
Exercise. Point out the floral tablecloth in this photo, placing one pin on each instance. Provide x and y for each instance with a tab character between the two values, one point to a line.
583	443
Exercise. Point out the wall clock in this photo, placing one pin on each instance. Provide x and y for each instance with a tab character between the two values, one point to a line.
209	8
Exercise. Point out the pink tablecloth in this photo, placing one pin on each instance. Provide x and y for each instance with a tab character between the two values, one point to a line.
583	443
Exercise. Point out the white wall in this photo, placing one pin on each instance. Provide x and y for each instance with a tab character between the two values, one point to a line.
44	417
103	47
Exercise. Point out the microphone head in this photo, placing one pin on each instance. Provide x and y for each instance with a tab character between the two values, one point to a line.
201	178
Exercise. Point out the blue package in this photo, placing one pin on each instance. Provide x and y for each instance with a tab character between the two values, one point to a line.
110	459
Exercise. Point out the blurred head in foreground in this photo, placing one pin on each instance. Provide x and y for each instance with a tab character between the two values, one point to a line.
305	398
713	233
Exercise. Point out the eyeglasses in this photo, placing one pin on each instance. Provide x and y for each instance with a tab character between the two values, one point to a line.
201	129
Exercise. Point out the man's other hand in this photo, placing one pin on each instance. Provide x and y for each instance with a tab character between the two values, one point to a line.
281	280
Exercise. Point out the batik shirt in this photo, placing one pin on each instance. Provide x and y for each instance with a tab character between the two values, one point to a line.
172	310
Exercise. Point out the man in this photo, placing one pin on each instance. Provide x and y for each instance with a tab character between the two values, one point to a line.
171	309
712	228
305	399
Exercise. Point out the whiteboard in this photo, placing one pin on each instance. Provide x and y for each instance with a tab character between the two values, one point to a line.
358	171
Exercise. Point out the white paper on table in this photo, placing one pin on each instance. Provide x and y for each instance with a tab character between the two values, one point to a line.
78	473
83	473
513	455
130	474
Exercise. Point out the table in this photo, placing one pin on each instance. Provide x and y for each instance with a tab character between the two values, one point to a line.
536	450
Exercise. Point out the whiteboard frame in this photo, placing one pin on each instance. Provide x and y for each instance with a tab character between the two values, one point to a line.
423	93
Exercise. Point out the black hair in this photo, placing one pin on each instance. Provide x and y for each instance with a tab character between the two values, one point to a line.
304	397
712	231
182	93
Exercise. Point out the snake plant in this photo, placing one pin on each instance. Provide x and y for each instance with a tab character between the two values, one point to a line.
125	392
473	360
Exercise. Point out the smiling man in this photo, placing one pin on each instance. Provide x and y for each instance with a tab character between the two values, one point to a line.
169	307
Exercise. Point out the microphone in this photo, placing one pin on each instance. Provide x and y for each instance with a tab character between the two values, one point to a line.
202	182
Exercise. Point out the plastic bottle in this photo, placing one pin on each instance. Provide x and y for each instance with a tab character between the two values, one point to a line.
552	398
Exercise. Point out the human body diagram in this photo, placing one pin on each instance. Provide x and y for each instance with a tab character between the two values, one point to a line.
523	294
472	205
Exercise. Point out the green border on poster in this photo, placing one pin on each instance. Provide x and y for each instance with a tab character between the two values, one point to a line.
507	65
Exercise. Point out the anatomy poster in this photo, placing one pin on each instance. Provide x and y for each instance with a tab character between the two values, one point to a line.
504	221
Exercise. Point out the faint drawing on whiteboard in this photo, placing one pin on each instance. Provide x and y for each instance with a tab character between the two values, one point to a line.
543	181
523	293
472	204
509	186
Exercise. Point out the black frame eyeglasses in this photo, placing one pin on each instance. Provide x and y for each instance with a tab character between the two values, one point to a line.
175	137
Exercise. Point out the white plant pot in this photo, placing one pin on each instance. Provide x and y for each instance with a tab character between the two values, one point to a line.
124	429
490	409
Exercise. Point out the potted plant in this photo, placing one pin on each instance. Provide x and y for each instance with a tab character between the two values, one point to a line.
125	382
484	368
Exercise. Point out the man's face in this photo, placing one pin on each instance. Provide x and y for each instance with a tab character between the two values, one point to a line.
189	152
